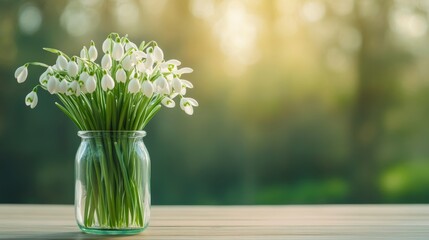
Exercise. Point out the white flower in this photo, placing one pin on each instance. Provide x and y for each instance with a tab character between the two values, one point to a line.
168	102
147	88
121	76
106	62
84	53
177	85
62	88
31	99
92	52
138	55
127	63
43	79
187	104
107	82
21	74
186	83
52	84
61	62
83	76
161	85
90	84
129	45
134	86
118	51
157	54
184	70
170	66
72	88
107	45
72	68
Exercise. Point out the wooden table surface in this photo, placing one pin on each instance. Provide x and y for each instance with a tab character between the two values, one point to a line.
233	222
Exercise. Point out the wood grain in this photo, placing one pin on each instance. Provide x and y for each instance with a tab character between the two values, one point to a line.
233	222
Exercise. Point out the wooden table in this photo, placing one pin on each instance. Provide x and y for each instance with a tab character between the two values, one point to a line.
233	222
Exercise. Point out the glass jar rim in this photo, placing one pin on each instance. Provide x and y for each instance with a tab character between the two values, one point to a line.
100	133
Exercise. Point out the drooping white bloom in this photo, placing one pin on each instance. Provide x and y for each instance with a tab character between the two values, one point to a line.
84	53
107	82
106	62
31	99
157	54
128	63
62	88
130	45
83	76
187	104
52	84
92	52
161	85
72	88
121	75
90	84
184	70
138	55
21	74
187	83
107	45
43	79
177	85
147	88
61	63
134	86
168	102
72	68
118	51
170	66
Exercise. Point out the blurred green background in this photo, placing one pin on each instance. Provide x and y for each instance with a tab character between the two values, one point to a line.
300	101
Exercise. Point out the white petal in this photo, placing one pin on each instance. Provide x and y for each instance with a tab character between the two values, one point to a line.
147	88
83	76
141	66
134	86
149	62
121	76
21	74
52	84
118	51
72	68
107	82
107	45
187	83
188	109
168	102
35	101
139	55
92	52
61	62
174	62
84	53
62	88
106	62
90	84
177	85
129	45
158	54
43	79
127	64
193	102
184	70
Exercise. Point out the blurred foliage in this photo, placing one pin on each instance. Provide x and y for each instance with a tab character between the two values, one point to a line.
312	101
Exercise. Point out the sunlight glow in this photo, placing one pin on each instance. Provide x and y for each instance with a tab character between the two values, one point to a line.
30	19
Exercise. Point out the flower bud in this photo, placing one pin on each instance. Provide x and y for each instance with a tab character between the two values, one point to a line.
147	88
84	53
134	86
130	45
72	68
186	104
121	76
92	52
52	85
90	84
31	99
107	82
106	62
158	54
61	62
21	74
118	51
107	45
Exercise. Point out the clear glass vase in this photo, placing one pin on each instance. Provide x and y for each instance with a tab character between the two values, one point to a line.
112	193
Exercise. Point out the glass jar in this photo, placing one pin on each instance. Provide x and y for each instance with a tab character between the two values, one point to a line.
112	192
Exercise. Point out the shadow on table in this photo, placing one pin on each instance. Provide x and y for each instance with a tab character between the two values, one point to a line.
62	235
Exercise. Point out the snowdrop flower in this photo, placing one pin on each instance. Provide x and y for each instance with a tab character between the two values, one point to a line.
72	88
177	85
31	99
134	86
90	84
62	88
61	63
43	79
84	53
148	65
147	88
83	76
118	51
107	45
170	66
121	76
130	45
162	86
106	62
92	52
186	83
184	70
168	102
138	55
107	82
127	63
72	68
21	73
157	54
52	84
187	104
